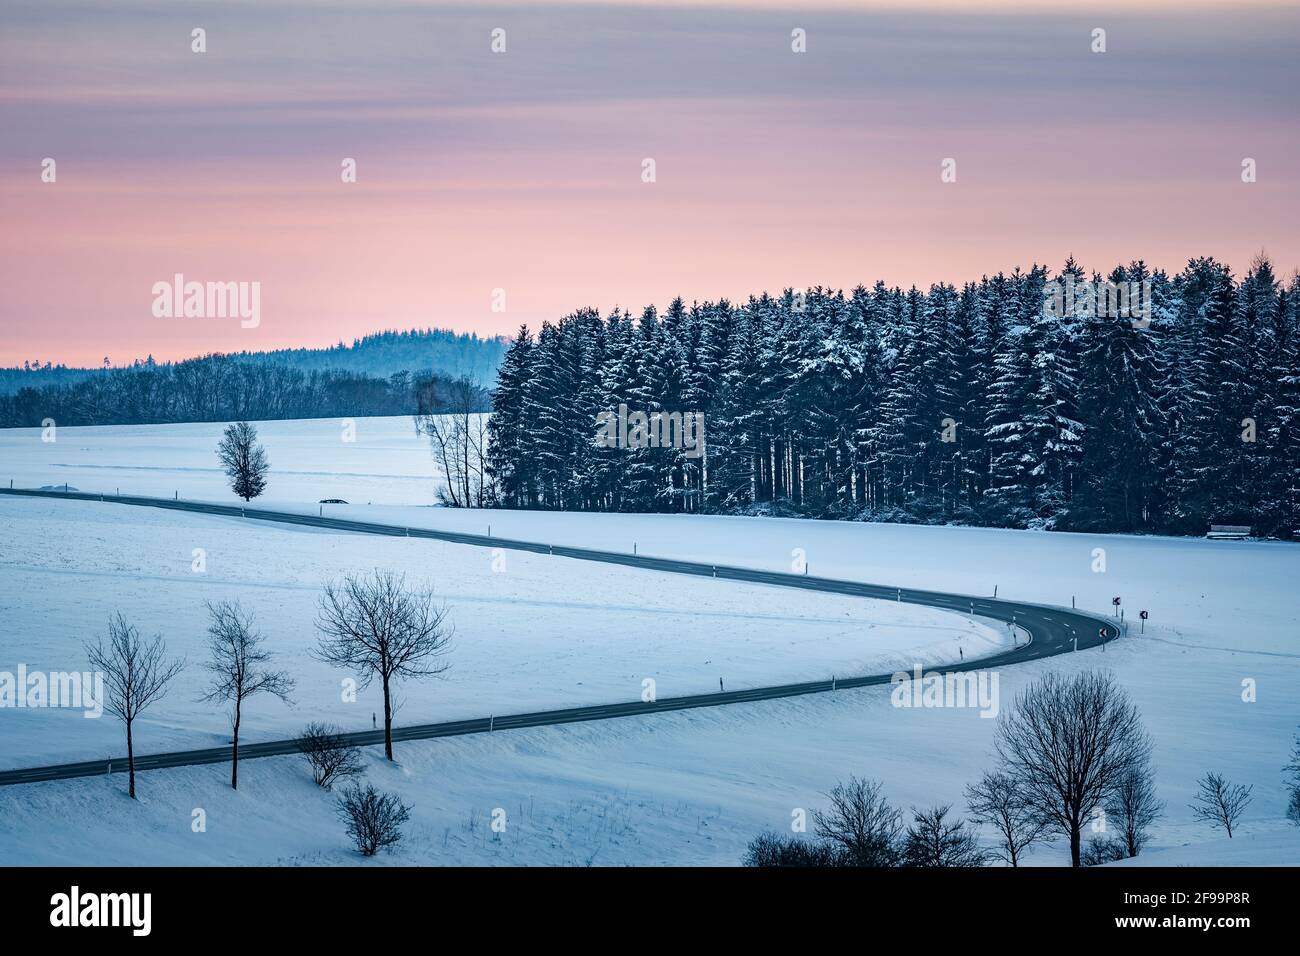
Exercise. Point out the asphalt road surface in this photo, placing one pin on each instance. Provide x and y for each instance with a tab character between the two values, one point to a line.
1049	631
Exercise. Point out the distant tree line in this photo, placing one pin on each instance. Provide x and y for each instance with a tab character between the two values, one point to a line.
381	354
218	388
974	405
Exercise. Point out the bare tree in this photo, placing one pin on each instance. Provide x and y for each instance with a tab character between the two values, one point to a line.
1219	802
239	667
1133	807
373	819
452	415
932	841
136	674
861	824
244	460
331	757
378	627
999	802
1068	743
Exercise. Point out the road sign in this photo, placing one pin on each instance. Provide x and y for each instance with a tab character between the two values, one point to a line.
1115	601
1101	632
1143	615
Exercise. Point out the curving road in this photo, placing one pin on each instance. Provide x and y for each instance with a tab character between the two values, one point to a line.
1051	630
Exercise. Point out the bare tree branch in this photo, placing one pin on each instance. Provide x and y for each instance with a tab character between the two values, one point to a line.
999	802
1068	743
239	667
1221	803
136	674
376	626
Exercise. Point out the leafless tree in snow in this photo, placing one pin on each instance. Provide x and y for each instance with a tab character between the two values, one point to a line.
862	824
136	674
451	414
331	757
1133	807
240	668
1000	803
1068	743
1219	802
376	626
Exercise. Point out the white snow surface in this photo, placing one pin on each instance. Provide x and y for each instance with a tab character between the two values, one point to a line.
532	632
1216	675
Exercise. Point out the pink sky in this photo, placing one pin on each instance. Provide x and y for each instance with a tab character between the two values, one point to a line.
522	171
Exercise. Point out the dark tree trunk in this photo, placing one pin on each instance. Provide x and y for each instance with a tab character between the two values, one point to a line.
130	762
388	722
234	753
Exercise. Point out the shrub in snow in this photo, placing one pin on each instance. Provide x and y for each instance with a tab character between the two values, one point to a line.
331	758
933	841
769	849
373	819
1293	771
1104	850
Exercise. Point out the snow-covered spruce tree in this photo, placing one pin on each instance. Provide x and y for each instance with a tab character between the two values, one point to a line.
834	406
617	380
243	460
510	467
1014	427
1205	304
1116	470
1280	506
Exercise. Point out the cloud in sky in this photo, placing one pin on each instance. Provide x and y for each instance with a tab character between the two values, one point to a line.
522	171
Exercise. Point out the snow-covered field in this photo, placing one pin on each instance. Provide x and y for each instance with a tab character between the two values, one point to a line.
379	460
531	632
689	787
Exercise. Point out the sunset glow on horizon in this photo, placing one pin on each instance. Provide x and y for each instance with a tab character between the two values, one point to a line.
522	171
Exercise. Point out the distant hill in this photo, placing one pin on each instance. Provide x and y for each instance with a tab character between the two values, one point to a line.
380	355
450	354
